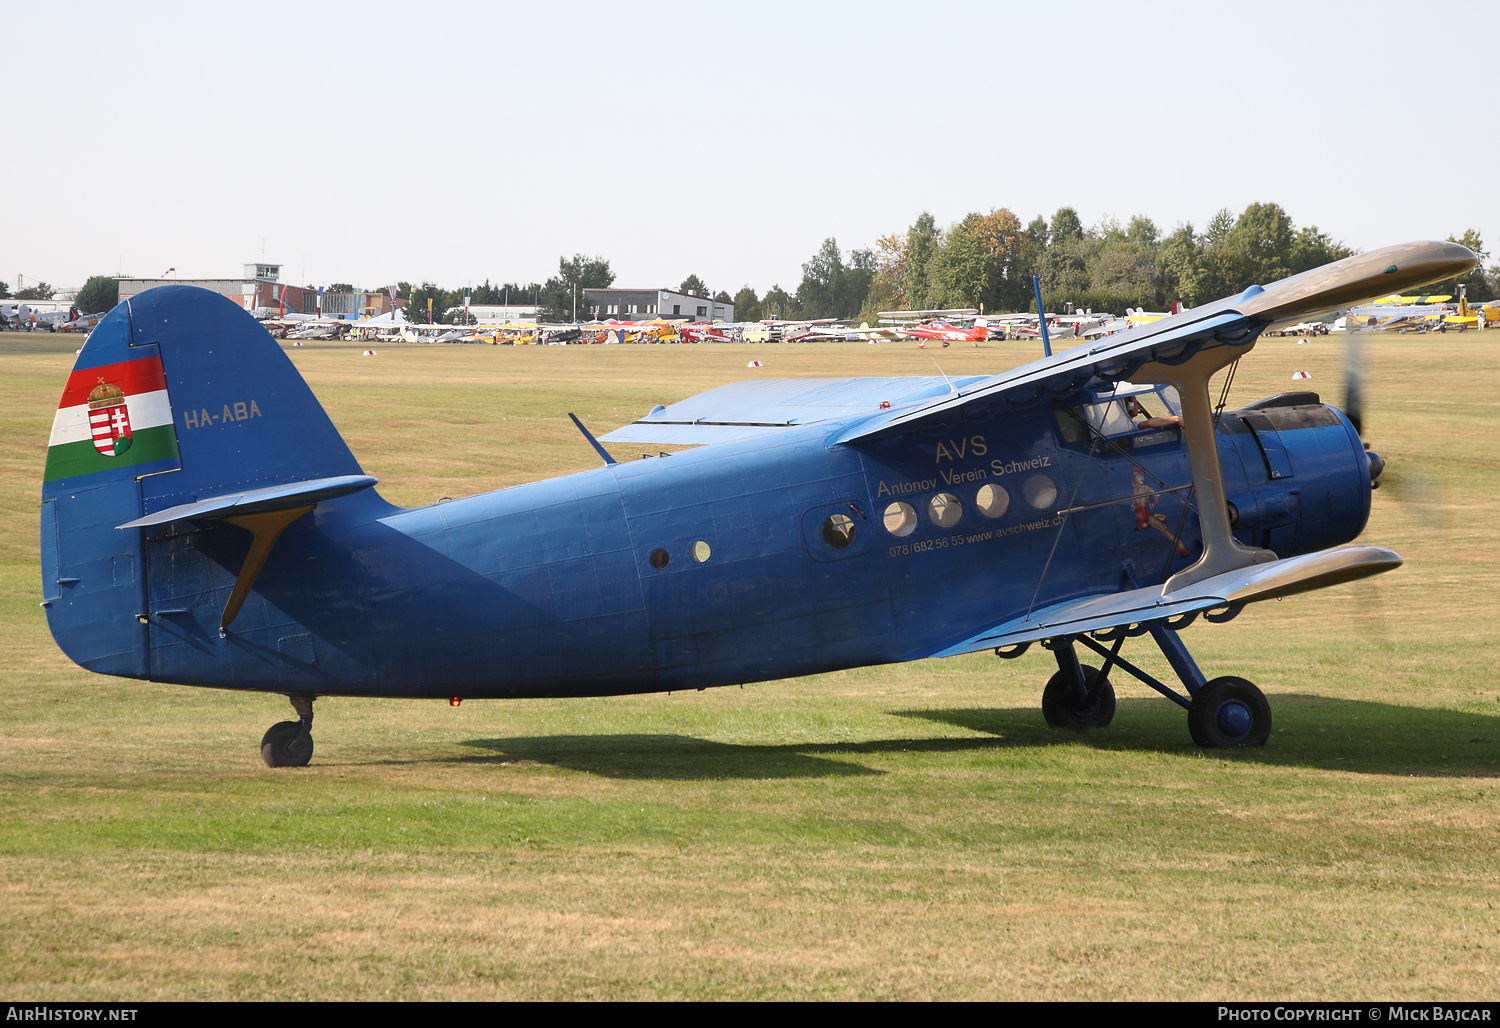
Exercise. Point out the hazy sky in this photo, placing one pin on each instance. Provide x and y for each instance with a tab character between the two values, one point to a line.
456	142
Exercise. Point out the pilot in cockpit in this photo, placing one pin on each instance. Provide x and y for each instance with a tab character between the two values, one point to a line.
1135	409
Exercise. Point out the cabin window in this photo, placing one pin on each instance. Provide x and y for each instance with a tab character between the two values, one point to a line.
945	510
838	530
1040	492
1110	418
900	519
701	551
659	558
992	501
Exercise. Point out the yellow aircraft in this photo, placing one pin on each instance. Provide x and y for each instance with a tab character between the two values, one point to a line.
1408	301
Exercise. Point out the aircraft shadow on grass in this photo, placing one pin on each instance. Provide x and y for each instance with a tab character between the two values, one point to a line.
674	757
1311	731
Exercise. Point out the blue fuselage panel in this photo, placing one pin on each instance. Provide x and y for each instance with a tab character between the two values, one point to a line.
784	555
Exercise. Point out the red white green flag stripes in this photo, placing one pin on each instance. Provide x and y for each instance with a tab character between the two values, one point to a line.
113	416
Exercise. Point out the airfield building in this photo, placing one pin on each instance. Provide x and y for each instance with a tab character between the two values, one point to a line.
260	286
642	304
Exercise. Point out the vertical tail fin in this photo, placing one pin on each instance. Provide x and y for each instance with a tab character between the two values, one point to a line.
178	396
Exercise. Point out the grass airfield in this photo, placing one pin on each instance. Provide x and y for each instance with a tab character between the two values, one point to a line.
913	831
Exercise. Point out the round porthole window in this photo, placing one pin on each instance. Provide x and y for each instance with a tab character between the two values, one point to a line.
659	558
701	552
900	519
992	501
945	510
1040	492
838	530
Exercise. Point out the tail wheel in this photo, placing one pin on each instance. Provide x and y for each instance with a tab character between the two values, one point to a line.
1060	704
1229	714
285	745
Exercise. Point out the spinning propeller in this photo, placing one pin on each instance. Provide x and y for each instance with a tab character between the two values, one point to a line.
1353	402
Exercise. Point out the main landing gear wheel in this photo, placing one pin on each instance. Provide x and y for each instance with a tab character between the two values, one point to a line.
1060	701
286	745
1229	714
290	743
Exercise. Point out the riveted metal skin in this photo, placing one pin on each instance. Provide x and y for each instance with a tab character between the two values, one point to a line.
547	589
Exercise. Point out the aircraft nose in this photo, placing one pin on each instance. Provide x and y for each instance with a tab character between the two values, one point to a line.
1377	465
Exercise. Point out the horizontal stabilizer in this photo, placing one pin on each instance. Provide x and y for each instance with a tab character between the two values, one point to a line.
1245	585
258	501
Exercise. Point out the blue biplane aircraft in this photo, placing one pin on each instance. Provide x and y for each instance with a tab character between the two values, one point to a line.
203	523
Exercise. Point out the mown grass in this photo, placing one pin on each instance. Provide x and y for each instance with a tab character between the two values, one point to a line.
908	831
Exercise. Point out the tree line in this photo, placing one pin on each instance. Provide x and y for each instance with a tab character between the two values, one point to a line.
983	261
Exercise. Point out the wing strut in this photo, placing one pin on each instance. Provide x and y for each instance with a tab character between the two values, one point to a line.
1221	550
592	441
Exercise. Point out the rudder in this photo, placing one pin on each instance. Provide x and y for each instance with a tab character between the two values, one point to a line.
177	396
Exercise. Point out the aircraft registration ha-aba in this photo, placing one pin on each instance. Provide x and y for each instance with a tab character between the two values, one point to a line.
211	528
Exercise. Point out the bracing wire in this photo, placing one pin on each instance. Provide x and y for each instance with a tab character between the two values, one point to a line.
1061	527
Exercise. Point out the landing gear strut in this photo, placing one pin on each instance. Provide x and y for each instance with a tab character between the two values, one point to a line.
1078	696
1225	713
290	743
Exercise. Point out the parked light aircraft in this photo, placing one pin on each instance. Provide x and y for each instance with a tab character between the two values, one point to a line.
203	523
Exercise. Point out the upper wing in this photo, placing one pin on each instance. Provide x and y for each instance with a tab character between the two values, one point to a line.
879	405
1234	321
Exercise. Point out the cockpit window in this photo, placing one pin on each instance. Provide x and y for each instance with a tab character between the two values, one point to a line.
1125	410
1078	424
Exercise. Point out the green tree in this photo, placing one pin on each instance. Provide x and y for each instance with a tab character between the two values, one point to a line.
99	293
693	286
1038	232
1218	227
747	305
817	296
40	291
1261	244
1066	226
1064	266
1479	283
4	290
573	277
341	287
831	288
779	305
1179	258
1312	249
858	277
964	271
887	291
1126	270
416	308
512	293
922	244
1142	231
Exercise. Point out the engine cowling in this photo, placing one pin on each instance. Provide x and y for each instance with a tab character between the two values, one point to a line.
1296	474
